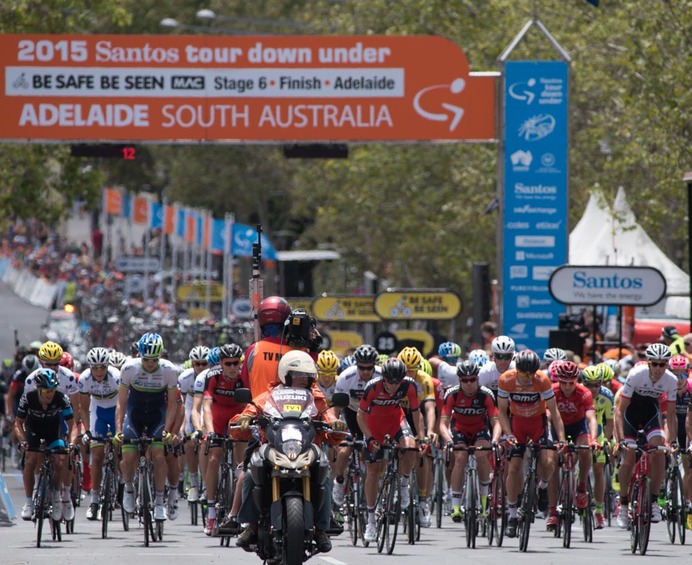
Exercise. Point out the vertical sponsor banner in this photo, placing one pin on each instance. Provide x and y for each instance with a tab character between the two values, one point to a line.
535	227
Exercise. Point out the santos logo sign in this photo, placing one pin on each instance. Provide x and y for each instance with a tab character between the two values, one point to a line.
619	286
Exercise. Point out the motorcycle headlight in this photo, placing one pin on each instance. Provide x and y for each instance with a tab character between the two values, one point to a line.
292	448
291	442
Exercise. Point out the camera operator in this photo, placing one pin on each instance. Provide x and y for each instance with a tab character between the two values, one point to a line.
282	330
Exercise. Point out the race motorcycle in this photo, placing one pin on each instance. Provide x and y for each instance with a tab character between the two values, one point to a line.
290	474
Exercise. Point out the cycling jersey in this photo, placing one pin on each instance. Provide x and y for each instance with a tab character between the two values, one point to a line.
383	411
349	382
604	404
221	391
447	373
643	392
328	391
67	382
103	400
425	389
43	424
148	390
469	414
525	401
489	375
573	408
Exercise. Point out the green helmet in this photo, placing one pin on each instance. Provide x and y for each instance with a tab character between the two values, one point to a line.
606	372
592	374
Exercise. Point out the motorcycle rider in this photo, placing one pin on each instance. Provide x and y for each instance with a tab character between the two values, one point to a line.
296	369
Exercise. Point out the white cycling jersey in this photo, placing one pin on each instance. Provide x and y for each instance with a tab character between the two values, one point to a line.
103	393
489	375
67	382
640	389
186	384
447	374
134	377
350	382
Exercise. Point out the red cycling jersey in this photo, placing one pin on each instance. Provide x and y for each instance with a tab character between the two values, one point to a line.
222	392
573	408
469	414
383	411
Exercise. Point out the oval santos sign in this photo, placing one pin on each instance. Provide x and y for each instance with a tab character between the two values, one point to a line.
617	286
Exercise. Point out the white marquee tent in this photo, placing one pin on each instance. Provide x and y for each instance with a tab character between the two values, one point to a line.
608	235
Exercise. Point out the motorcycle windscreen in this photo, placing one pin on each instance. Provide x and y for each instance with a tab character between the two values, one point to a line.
288	402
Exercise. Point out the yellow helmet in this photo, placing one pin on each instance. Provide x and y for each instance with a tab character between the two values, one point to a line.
411	358
327	362
426	367
50	351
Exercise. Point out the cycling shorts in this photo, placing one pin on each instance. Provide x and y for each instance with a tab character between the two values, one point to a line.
648	419
524	429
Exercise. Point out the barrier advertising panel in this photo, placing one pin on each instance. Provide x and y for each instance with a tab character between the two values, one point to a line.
234	89
535	197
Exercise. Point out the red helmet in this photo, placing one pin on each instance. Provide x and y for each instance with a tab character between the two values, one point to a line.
273	310
67	360
566	371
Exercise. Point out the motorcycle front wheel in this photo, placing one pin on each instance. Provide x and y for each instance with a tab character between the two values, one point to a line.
294	532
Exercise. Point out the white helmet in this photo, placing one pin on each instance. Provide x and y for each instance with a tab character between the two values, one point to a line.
554	354
199	353
117	359
98	356
502	344
297	361
479	357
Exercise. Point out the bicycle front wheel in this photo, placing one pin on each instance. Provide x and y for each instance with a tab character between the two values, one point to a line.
106	494
644	515
470	513
393	513
528	501
588	515
634	522
40	506
681	509
498	512
567	510
439	491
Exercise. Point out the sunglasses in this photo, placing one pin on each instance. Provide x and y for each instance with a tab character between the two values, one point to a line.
468	381
504	356
98	367
150	359
658	363
592	385
366	367
200	363
231	363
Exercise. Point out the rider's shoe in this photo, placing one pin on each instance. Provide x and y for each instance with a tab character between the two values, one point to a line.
322	541
457	515
193	494
159	512
28	510
93	511
511	530
623	517
248	537
370	532
405	497
424	514
57	506
129	501
338	493
600	521
551	522
172	505
655	512
582	498
209	528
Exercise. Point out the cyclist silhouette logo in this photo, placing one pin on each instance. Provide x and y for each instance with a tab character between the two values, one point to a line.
523	91
21	82
400	308
453	112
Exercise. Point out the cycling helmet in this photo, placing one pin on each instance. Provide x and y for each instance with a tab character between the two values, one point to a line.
449	351
592	374
671	332
658	351
213	356
566	371
198	353
411	358
606	372
296	361
117	359
30	363
98	356
50	351
554	354
479	357
527	361
381	358
365	354
150	345
230	351
467	368
187	364
426	367
327	362
678	363
273	310
46	378
346	362
134	348
393	370
552	370
67	361
502	344
34	347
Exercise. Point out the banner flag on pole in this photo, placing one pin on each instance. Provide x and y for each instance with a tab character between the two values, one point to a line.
243	238
113	202
155	216
169	217
140	210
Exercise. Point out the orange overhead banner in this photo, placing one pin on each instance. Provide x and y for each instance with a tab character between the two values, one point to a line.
114	202
233	89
